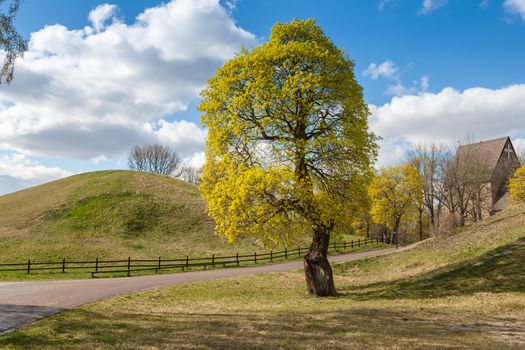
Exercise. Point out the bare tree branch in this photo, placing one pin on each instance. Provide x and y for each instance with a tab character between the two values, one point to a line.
156	158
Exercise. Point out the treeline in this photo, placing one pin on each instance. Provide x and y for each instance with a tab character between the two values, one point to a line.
431	192
434	190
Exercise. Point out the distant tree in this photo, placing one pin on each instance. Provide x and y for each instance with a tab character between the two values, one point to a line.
429	160
156	158
517	185
396	192
465	189
11	42
190	173
288	142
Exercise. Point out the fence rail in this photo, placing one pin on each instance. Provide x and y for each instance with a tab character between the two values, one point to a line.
129	265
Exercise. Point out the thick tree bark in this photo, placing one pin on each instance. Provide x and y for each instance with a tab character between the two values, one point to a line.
317	269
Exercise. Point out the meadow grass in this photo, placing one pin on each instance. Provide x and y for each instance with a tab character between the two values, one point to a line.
461	291
111	215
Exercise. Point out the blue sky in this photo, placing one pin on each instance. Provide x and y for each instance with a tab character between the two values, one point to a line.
432	70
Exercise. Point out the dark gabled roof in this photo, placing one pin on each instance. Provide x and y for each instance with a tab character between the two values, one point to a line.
486	152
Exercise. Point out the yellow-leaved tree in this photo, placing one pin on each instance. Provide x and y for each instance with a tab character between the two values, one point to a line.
288	145
517	185
396	192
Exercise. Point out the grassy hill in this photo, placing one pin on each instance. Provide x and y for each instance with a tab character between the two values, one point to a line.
109	214
461	291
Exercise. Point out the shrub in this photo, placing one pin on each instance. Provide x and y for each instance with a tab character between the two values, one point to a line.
517	186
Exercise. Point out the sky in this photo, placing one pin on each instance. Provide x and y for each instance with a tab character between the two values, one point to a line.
102	76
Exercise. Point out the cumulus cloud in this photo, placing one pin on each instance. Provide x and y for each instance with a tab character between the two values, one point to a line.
516	7
386	69
431	5
17	172
101	14
92	93
418	87
448	116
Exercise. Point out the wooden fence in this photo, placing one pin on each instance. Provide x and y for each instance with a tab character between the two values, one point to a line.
129	265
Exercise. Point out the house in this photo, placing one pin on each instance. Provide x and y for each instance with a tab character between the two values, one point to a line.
492	163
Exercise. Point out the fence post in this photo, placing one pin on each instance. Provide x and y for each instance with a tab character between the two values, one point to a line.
187	262
335	247
365	241
28	266
63	265
271	255
299	251
359	242
238	264
285	253
159	265
352	244
344	246
255	257
129	265
213	260
96	264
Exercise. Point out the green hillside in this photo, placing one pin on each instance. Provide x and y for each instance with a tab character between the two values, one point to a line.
108	214
465	291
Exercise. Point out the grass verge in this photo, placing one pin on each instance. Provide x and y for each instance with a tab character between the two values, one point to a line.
465	291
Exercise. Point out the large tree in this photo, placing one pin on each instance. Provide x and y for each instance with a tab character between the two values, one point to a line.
288	145
12	43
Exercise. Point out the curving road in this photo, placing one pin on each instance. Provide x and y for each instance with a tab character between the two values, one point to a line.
25	302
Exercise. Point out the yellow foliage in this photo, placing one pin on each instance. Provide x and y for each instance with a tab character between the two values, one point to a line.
517	185
288	145
395	192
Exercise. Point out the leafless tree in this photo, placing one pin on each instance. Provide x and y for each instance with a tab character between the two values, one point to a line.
11	42
465	184
156	158
429	160
190	173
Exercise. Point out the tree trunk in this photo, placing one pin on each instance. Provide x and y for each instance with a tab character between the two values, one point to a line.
317	269
420	223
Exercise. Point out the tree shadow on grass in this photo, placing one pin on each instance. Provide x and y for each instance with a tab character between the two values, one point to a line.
355	328
499	271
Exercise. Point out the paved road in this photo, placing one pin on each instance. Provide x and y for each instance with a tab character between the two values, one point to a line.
25	302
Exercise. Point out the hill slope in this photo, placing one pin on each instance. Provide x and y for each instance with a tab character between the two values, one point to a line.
463	291
108	214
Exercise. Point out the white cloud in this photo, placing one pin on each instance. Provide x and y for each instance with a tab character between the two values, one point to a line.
99	159
17	172
431	5
181	135
448	116
516	7
386	69
418	87
384	3
198	160
101	14
91	94
484	4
